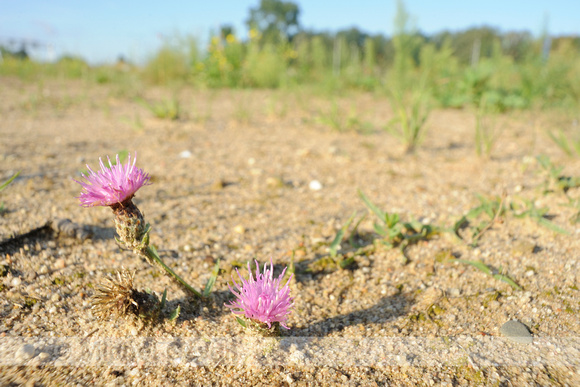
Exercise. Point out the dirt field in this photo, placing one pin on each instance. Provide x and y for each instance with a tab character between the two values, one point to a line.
232	181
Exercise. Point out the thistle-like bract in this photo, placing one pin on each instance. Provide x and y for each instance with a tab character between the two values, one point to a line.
262	299
117	296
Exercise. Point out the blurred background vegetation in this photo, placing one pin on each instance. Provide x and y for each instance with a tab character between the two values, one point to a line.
506	70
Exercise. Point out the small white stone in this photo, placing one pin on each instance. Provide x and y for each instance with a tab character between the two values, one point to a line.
16	281
315	185
55	297
185	154
43	356
43	269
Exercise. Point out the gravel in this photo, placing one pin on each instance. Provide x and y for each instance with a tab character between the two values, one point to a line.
244	190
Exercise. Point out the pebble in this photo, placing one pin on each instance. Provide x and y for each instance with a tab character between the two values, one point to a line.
522	247
43	356
16	281
60	263
315	185
26	352
239	229
274	182
43	269
185	154
516	331
218	185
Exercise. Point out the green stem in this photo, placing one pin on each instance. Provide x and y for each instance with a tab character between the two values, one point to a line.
152	254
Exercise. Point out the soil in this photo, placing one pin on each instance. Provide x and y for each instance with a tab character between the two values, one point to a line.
233	180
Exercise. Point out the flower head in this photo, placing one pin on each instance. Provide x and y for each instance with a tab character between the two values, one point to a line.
262	298
113	184
117	296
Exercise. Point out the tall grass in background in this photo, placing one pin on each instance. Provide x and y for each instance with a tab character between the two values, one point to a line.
264	67
66	67
487	130
174	62
418	72
408	84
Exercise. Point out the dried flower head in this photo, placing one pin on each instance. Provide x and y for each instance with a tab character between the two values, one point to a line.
118	297
113	184
262	299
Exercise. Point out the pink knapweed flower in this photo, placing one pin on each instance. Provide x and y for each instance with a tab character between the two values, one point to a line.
113	184
261	298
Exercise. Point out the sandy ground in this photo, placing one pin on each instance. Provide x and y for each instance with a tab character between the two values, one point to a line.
231	181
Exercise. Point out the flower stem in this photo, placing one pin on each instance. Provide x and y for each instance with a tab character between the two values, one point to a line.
151	253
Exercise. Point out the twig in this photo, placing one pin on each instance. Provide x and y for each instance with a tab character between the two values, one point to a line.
89	335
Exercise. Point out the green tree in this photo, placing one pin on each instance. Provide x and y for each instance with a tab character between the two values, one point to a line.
276	20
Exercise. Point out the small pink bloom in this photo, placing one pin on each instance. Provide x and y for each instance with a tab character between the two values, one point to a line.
262	298
113	184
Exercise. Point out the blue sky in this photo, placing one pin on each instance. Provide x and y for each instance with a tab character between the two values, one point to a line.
102	30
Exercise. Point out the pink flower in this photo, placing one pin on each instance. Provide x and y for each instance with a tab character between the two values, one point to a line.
261	298
113	184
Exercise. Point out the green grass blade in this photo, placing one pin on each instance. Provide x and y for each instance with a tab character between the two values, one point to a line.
380	229
339	235
9	181
175	314
561	141
478	265
241	322
163	299
371	206
212	279
546	223
484	268
507	280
